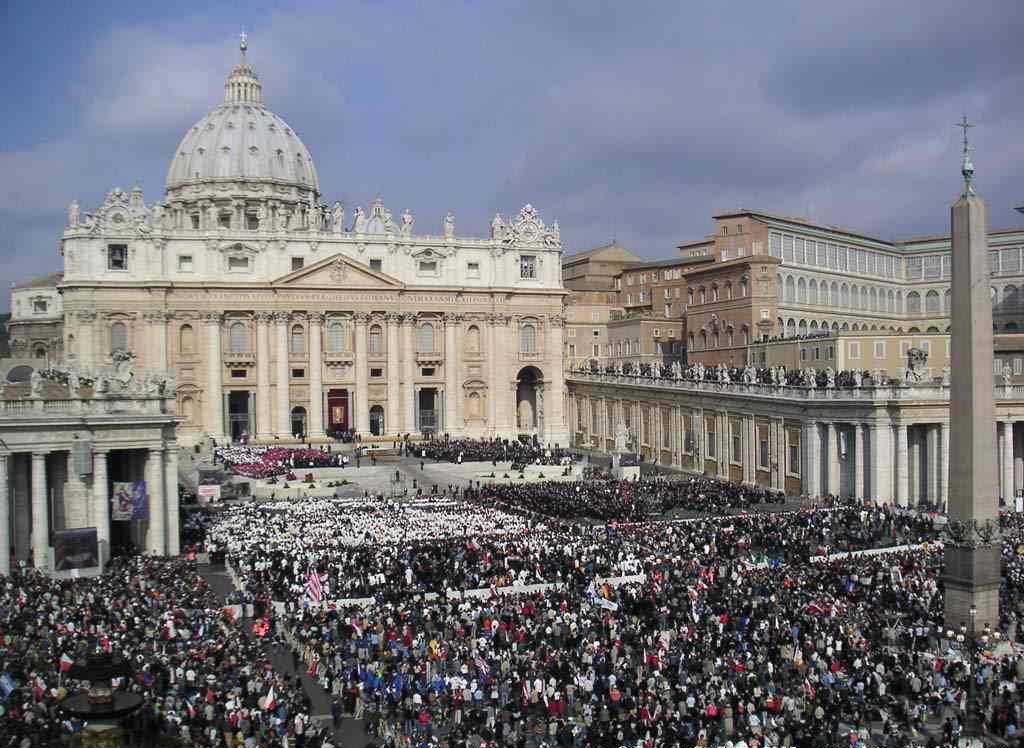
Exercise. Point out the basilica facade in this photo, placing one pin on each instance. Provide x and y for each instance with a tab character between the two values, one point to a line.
282	317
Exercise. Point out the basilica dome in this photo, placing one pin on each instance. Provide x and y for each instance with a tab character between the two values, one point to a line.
241	146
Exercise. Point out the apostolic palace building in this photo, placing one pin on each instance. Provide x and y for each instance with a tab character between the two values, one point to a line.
280	316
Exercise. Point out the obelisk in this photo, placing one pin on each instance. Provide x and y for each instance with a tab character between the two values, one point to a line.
973	551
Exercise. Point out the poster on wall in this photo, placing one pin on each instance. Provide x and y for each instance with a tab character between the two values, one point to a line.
208	494
129	501
75	548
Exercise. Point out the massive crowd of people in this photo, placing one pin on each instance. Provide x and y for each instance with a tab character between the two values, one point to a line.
203	678
609	500
736	627
253	461
777	376
493	451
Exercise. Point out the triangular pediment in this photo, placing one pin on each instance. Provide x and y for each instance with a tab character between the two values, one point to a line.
337	271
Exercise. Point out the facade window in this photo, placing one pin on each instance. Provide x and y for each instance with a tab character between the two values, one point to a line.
298	263
184	263
337	338
39	306
118	337
427	338
473	338
913	303
595	316
596	352
252	222
375	339
238	338
298	342
712	451
1018	366
528	339
528	266
596	332
472	269
376	373
794	459
737	444
224	220
428	267
904	347
238	374
186	339
926	346
117	257
195	221
298	373
854	350
879	349
668	310
376	264
762	451
238	264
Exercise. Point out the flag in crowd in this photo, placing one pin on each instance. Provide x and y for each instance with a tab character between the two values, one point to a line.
314	585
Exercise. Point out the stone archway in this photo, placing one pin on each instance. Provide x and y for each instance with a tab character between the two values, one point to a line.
530	400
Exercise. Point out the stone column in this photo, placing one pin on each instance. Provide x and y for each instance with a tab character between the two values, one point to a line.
315	426
809	472
40	513
699	440
158	360
264	424
451	375
101	502
750	426
881	462
361	404
393	419
156	541
915	467
503	371
283	418
1006	460
944	465
833	459
214	377
409	376
857	455
932	462
1018	461
87	340
554	408
171	500
902	466
5	519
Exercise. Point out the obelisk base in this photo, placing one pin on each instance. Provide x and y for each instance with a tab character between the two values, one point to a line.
972	580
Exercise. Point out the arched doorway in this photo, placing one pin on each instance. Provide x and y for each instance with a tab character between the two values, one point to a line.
530	399
377	420
19	375
298	422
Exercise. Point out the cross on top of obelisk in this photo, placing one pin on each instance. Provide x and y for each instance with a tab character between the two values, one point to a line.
967	168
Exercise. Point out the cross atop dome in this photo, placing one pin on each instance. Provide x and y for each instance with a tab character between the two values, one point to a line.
243	84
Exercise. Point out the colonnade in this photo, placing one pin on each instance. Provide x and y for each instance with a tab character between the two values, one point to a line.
899	460
27	498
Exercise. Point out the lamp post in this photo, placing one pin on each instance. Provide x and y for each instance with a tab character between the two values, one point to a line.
973	651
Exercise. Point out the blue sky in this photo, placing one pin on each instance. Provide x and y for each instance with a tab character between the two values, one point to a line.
629	120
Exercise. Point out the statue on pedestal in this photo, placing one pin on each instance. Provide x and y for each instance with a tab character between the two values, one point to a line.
36	384
73	212
407	221
449	225
338	217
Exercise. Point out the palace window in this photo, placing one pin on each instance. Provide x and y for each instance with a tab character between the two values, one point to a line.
375	342
298	263
376	373
528	266
376	264
238	264
224	220
428	267
117	257
184	263
39	306
472	269
298	373
187	339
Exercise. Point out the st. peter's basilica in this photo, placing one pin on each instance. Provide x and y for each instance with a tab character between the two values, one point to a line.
281	316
